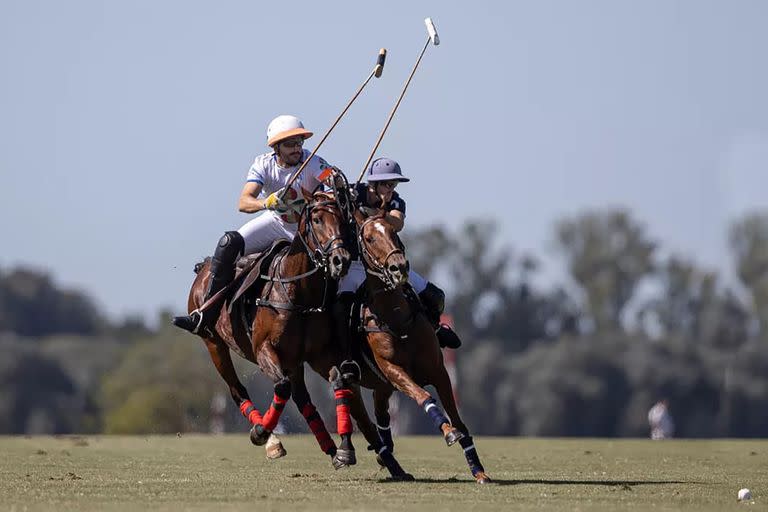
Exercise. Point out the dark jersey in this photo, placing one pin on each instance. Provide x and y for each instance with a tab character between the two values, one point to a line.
396	203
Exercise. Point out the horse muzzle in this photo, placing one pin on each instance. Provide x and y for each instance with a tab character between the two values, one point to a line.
339	262
397	271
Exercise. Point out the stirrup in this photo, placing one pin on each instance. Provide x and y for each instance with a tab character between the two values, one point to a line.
184	322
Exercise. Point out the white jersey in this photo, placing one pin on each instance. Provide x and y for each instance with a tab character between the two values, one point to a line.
267	172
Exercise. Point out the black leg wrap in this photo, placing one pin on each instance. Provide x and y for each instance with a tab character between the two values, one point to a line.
385	433
385	459
435	413
473	459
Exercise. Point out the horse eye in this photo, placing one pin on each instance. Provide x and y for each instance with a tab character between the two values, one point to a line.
316	221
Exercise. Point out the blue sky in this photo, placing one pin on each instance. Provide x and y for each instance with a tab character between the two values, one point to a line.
127	128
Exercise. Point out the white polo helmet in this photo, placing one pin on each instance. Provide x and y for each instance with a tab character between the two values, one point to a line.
284	127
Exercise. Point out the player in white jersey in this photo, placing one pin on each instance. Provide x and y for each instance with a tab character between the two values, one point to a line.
278	218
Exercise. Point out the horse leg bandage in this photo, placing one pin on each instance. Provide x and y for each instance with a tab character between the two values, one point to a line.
435	413
343	418
282	394
317	427
385	433
473	459
250	412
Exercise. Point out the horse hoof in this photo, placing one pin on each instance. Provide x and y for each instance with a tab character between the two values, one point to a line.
453	436
275	448
259	435
482	478
405	477
344	458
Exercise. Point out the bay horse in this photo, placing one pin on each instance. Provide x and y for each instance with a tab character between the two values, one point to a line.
402	340
288	321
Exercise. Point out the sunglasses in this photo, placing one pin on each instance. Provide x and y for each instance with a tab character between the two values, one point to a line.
293	143
387	184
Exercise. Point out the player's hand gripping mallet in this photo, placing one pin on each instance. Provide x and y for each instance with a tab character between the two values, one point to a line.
435	40
377	71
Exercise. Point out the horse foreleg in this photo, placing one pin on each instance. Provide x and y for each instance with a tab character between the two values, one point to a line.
445	391
222	360
342	392
404	383
381	396
381	444
314	421
269	363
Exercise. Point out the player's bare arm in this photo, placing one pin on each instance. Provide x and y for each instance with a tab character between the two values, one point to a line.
249	198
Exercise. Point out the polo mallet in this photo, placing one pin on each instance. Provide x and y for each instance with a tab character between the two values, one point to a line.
435	40
377	71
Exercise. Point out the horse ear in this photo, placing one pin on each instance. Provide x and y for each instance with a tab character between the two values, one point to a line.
359	215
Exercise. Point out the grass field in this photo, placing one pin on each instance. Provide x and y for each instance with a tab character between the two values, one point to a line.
223	473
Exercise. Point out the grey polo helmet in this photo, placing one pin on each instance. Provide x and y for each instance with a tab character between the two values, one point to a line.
385	169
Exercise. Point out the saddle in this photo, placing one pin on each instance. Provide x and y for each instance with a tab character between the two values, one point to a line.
251	270
358	327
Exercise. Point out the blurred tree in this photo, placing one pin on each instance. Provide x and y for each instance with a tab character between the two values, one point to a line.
36	394
489	294
607	253
31	305
162	384
749	242
691	306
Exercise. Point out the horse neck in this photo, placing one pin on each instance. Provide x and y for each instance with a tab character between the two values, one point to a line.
389	305
309	290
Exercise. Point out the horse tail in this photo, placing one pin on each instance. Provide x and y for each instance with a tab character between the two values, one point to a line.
199	266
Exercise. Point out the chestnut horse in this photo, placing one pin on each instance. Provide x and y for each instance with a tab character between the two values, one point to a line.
290	319
405	349
403	342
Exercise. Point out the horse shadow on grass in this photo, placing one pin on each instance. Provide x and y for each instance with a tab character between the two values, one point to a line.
623	484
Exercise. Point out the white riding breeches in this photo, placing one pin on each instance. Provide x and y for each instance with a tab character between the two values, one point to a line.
356	277
263	229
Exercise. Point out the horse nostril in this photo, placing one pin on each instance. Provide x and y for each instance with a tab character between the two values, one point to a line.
394	269
336	260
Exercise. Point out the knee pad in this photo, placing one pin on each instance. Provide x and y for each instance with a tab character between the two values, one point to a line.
229	248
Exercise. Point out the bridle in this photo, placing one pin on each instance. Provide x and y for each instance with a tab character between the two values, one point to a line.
374	266
319	257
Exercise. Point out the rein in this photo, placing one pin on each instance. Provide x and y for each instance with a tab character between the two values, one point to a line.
375	267
318	258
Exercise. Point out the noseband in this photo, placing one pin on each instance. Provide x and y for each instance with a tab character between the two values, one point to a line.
321	253
373	265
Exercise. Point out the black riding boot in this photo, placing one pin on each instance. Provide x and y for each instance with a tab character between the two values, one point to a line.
349	369
433	299
202	321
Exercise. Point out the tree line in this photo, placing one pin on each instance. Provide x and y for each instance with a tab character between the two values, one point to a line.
588	357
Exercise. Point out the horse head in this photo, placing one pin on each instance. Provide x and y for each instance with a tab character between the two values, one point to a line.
382	251
322	228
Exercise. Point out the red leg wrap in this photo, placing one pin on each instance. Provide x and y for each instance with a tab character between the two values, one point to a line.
317	427
343	418
249	411
272	416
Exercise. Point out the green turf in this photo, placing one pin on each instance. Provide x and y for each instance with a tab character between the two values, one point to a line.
222	473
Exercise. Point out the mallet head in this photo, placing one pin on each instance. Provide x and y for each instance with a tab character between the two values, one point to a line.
380	62
432	31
